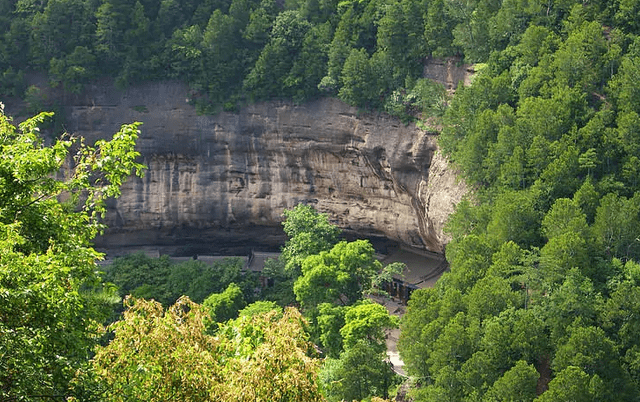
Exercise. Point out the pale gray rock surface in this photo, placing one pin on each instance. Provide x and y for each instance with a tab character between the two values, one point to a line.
220	182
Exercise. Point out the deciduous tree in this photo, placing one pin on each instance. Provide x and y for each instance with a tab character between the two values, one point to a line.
50	292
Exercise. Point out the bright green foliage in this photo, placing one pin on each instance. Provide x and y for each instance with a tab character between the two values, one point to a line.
418	327
572	384
340	275
454	345
563	253
472	31
616	226
516	385
330	288
470	257
261	307
154	353
51	298
619	318
341	327
160	355
515	218
545	249
367	321
321	282
565	216
514	335
574	300
309	233
590	349
329	320
491	295
226	305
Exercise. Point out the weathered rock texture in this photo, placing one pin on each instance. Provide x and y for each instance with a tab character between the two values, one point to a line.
449	71
216	183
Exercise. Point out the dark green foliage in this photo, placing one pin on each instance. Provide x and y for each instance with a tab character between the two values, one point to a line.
164	281
544	251
272	75
198	279
360	373
356	78
282	290
73	71
140	276
233	51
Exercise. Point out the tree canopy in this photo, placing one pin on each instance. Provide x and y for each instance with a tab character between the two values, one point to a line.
160	354
542	248
52	300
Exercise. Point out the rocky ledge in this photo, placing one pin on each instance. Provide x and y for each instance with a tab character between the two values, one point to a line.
219	183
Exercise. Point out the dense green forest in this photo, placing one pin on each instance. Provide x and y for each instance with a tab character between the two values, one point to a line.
542	299
230	52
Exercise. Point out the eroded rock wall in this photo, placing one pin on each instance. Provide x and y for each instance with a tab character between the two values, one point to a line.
449	72
216	182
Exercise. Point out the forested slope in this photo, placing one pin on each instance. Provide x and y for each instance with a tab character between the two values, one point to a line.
542	297
229	51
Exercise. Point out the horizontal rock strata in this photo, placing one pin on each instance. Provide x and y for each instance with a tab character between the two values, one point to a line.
219	182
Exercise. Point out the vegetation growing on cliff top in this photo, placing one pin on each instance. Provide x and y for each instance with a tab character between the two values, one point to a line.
369	53
229	51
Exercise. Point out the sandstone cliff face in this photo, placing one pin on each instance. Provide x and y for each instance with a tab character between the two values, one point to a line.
216	183
449	72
